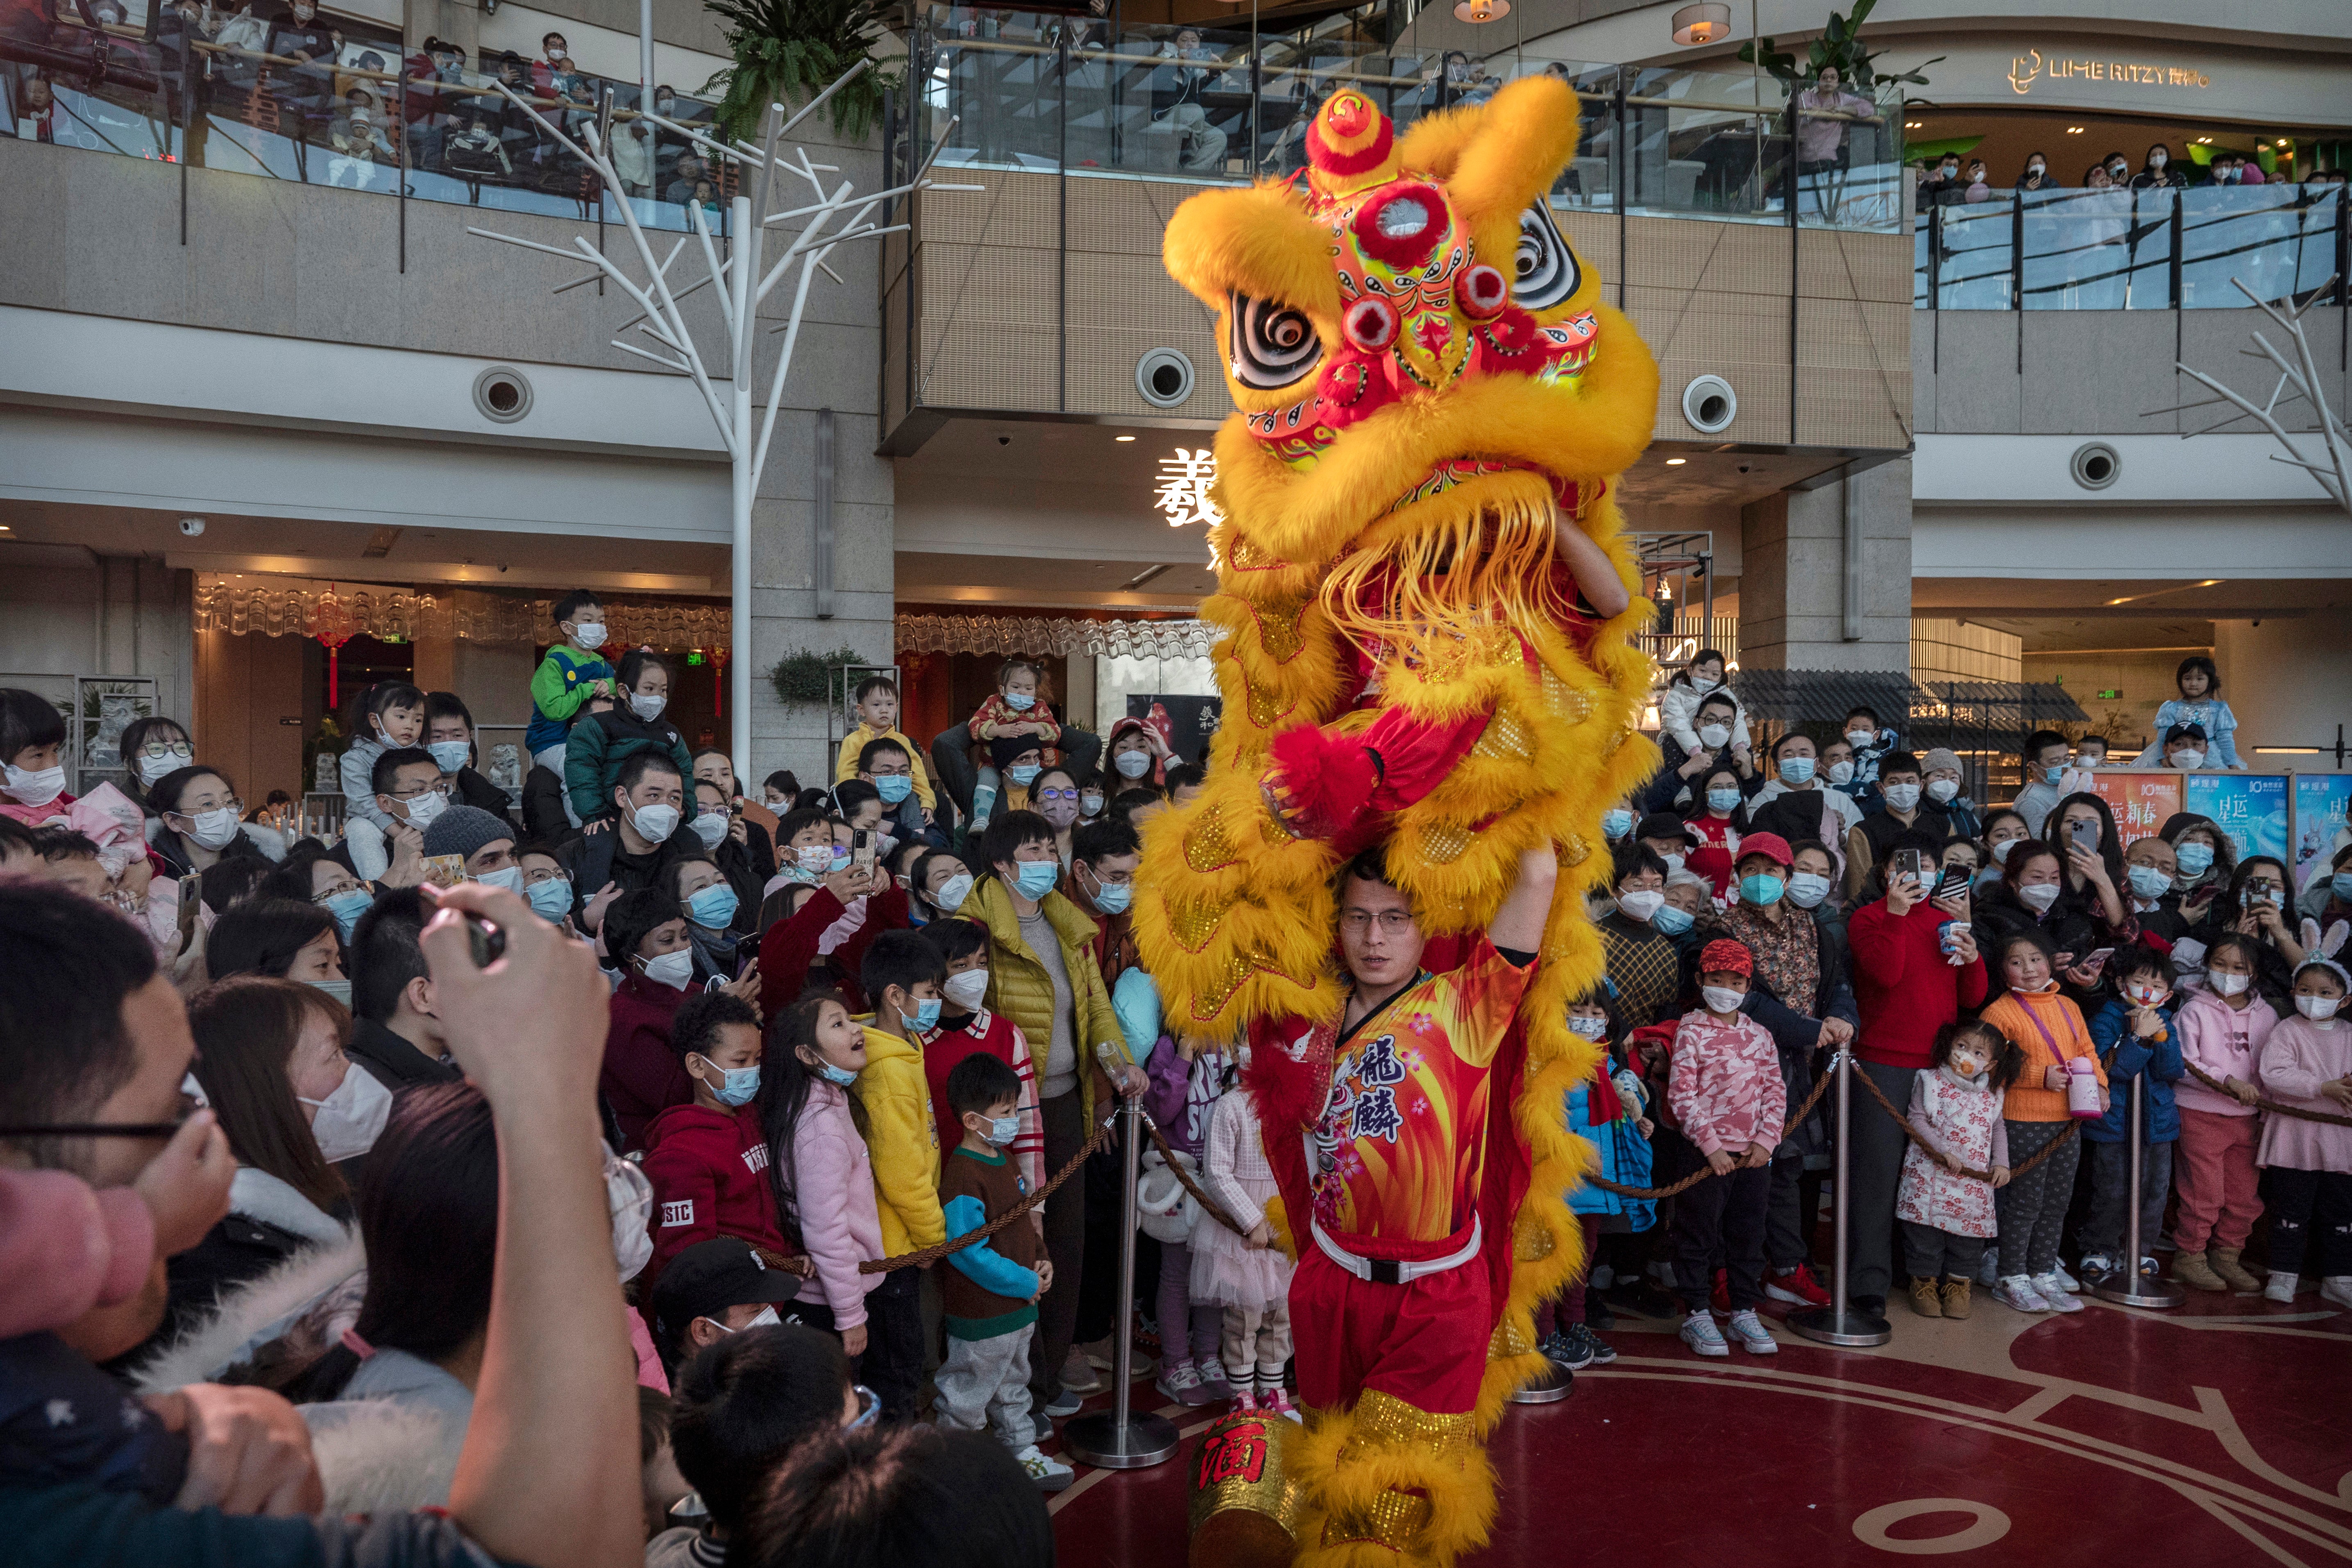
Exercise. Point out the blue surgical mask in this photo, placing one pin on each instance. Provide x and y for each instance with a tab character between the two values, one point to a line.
1616	823
712	907
895	788
2054	773
347	908
1113	898
1797	770
1035	879
1761	889
1672	920
551	899
2341	884
840	857
840	1077
2147	881
926	1016
450	755
1722	800
2196	859
1003	1130
742	1083
1023	773
1806	888
1020	702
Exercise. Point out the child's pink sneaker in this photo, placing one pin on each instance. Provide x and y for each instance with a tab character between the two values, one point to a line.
1273	1401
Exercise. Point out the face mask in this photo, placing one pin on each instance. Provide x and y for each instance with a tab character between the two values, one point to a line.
1943	790
2148	996
2117	171
350	1118
1702	684
1762	889
1003	1130
2158	160
1020	702
926	1016
839	1077
654	823
2227	984
712	907
1034	879
152	768
551	900
710	826
1616	823
2147	881
1133	764
1806	889
1861	739
420	811
1060	813
1672	920
1950	169
1588	1028
1903	797
840	861
952	892
1090	801
2189	761
1796	770
2262	892
813	860
2340	885
2033	169
216	828
1721	999
36	787
347	908
967	989
766	1319
589	636
2318	1010
2039	897
1642	903
450	755
629	1199
895	788
2001	851
2054	773
740	1083
1114	898
671	969
1841	772
1713	735
1025	774
1722	800
646	706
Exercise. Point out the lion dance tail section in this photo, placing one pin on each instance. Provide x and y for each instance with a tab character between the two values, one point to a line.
1433	399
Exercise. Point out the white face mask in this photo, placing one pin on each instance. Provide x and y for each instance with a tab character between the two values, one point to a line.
654	823
1841	772
674	970
350	1119
1713	735
2318	1010
952	892
1721	999
1806	888
508	877
2227	984
1641	904
2001	850
1941	790
1702	684
152	768
1903	797
765	1319
421	810
1861	739
35	786
214	830
1133	764
2188	761
2038	896
646	706
710	828
967	990
589	635
1673	862
814	859
629	1197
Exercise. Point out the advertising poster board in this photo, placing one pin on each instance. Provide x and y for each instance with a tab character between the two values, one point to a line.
2250	807
2140	799
2320	811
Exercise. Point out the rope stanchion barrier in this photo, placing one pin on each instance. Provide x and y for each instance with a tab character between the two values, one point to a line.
1705	1173
2264	1103
1208	1204
1912	1133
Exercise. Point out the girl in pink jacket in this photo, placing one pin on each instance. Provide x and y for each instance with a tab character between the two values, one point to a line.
2222	1029
825	1178
2307	1063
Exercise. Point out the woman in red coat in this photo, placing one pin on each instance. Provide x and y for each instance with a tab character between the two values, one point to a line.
645	933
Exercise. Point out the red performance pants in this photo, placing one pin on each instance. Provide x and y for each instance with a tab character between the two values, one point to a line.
1424	1341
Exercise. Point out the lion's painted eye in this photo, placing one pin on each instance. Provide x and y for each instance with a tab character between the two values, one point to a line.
1548	273
1273	344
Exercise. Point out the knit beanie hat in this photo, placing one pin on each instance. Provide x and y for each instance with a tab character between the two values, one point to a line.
1723	955
64	1248
1005	749
462	829
1940	757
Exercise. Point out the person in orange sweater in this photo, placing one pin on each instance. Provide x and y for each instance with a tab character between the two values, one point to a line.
2050	1031
1013	712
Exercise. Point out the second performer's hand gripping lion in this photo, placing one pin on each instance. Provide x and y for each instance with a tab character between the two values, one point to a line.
1425	604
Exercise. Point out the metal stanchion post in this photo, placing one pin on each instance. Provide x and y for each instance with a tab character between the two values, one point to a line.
1118	1439
1837	1324
2128	1288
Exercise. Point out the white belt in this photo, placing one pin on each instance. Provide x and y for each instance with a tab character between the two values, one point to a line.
1390	1271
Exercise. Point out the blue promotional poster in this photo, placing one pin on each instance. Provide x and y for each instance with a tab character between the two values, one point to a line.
2250	807
2319	819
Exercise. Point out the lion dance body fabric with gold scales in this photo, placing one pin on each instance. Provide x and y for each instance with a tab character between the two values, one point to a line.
1429	385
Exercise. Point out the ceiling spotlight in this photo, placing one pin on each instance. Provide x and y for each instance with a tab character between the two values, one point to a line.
1677	461
1122	438
1481	10
1702	23
2073	131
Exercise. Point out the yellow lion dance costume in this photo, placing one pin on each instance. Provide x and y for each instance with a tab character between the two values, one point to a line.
1429	385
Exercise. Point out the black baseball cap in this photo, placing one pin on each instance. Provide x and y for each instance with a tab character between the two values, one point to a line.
1665	825
2184	732
712	1276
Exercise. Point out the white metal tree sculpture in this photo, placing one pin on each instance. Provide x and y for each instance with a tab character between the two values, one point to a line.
2298	374
741	280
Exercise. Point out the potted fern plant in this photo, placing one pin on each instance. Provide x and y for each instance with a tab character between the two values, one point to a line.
788	51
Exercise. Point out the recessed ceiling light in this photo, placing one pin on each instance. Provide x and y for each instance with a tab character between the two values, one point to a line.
1122	438
1677	461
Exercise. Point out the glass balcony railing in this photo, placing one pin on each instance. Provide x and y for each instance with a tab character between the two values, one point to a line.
2156	249
1050	93
344	106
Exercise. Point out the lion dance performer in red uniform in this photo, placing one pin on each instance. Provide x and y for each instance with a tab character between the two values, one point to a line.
1429	698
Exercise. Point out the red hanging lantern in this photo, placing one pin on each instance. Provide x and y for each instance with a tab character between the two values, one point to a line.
332	623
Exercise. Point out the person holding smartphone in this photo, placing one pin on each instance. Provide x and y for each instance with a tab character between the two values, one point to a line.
1902	808
2082	831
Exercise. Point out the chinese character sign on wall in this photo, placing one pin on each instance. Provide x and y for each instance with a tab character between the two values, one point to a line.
1184	494
2141	802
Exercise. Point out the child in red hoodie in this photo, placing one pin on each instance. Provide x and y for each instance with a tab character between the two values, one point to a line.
708	1160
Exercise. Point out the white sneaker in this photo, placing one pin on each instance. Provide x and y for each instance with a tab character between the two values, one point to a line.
1051	1475
2065	1282
1180	1381
2051	1288
2018	1293
2279	1286
1989	1271
1602	1277
2336	1288
1700	1334
1753	1336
